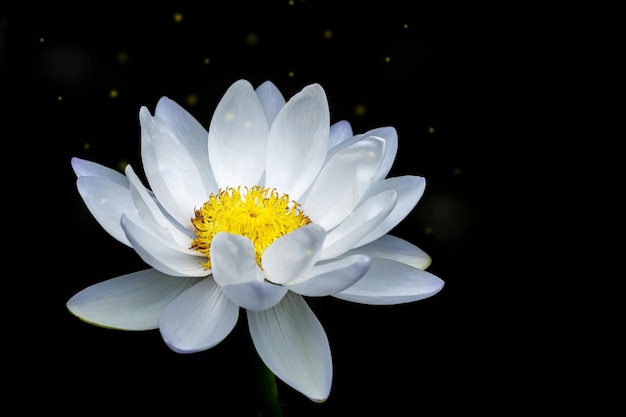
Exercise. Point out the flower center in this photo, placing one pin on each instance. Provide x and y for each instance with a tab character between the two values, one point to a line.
258	213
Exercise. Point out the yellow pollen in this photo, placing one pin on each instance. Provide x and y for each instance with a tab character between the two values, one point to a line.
259	213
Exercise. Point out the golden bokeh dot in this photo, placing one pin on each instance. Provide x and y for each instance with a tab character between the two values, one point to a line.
206	61
360	109
291	74
428	230
252	39
291	2
113	93
86	146
328	34
431	130
191	99
457	171
178	17
387	59
406	26
122	57
59	98
41	40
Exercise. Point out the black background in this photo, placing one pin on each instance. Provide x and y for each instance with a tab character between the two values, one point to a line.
408	66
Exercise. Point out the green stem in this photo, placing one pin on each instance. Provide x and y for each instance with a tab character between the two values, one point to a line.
268	389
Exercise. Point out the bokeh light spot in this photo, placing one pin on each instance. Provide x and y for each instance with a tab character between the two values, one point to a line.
191	99
252	39
122	57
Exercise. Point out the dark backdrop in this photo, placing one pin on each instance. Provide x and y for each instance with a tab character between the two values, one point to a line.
78	76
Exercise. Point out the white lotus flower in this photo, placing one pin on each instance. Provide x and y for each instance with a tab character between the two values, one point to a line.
271	205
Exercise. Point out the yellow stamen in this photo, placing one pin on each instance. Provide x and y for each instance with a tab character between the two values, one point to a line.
258	213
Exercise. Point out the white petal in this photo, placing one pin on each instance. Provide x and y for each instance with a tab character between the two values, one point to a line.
271	100
107	201
237	137
151	214
388	134
388	282
236	271
409	190
339	132
365	218
198	319
292	343
191	134
171	171
84	168
396	249
332	277
164	256
343	181
129	302
291	255
298	142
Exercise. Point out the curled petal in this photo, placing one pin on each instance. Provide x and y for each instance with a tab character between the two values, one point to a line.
331	277
236	271
389	282
396	249
409	190
343	181
293	254
292	343
129	302
198	319
360	222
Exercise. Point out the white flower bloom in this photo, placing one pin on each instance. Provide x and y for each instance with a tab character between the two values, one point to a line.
270	205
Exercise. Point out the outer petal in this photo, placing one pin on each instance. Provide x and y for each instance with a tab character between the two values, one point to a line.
396	249
171	170
409	190
84	168
236	271
389	282
167	257
292	343
365	218
332	277
129	302
271	100
198	319
339	132
191	134
152	215
298	142
237	137
388	134
293	254
107	200
343	181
